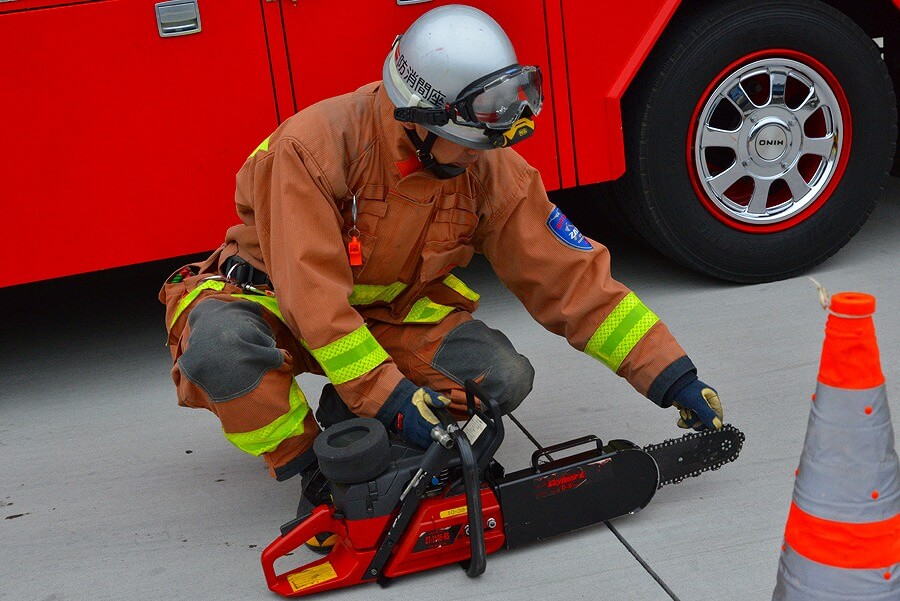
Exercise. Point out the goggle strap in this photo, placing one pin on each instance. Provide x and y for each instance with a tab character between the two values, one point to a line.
422	116
478	84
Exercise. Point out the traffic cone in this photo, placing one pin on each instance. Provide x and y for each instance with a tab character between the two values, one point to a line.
842	538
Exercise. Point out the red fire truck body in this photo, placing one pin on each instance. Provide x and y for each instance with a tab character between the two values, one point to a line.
124	121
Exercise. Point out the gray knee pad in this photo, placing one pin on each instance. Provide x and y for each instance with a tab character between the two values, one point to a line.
473	349
230	348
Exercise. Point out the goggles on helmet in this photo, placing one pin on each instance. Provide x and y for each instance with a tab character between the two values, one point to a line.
495	101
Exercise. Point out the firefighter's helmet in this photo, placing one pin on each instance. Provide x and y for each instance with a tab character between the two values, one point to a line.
455	72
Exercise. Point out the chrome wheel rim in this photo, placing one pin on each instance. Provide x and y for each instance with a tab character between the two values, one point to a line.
768	141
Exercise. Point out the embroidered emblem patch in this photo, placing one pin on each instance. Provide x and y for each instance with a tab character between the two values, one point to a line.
567	233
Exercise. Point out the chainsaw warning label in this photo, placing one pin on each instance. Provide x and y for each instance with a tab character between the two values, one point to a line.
432	539
312	576
474	428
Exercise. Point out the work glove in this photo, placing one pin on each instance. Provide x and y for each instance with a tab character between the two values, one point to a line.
699	406
408	412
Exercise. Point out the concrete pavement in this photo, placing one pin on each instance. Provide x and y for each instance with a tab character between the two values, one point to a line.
108	490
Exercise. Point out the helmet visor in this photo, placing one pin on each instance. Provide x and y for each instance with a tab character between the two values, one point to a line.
498	100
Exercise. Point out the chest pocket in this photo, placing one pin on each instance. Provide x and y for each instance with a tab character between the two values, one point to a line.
391	231
448	239
455	219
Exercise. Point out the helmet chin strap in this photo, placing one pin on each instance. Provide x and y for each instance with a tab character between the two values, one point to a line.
423	152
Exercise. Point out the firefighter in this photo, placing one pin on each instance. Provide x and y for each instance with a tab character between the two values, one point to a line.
354	213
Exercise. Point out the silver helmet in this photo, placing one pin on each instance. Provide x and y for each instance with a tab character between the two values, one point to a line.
455	72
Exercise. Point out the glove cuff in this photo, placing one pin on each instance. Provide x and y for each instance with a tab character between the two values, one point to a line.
679	374
401	394
679	385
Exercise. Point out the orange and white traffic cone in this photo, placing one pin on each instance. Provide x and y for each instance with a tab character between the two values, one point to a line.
842	538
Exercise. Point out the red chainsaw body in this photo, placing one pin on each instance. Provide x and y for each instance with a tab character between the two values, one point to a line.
437	536
415	509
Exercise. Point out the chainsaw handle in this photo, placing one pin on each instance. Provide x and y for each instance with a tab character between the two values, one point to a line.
491	417
473	390
569	444
321	520
472	484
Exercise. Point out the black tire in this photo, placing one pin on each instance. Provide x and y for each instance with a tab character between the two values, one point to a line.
665	194
356	450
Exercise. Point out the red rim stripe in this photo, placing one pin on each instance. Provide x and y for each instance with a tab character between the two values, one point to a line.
835	177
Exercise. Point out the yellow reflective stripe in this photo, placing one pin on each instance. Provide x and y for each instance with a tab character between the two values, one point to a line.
185	302
350	356
457	285
267	438
269	302
264	146
621	331
365	294
426	311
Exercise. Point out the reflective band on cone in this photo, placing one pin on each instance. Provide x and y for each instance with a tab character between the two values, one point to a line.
871	545
842	538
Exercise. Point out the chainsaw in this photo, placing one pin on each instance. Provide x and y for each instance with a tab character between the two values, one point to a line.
396	509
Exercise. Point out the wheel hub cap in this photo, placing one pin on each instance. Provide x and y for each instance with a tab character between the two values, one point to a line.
770	142
767	141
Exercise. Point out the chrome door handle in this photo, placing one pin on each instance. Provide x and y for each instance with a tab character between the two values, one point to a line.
177	17
406	2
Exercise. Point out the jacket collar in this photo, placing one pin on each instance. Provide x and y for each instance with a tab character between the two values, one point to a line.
397	148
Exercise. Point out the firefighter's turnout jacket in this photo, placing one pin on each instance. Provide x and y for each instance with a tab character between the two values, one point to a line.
295	200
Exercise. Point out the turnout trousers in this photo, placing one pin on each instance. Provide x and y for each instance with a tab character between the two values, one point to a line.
237	359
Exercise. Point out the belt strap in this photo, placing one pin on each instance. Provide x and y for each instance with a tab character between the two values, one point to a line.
243	272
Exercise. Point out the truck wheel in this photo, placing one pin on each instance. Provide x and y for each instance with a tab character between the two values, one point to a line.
759	137
356	450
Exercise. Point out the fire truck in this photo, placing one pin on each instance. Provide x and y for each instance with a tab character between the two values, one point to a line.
746	139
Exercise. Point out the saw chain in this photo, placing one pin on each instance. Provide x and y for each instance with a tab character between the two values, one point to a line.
695	453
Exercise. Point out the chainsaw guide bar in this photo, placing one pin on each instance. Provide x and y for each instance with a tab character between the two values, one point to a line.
695	453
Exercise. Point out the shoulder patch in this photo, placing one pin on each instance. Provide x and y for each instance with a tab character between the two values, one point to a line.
566	232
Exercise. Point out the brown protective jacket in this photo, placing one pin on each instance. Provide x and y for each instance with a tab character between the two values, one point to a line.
294	198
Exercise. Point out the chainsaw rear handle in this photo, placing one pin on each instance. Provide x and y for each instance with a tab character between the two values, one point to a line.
569	444
321	520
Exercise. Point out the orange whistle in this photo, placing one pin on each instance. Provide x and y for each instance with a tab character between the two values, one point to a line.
354	249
